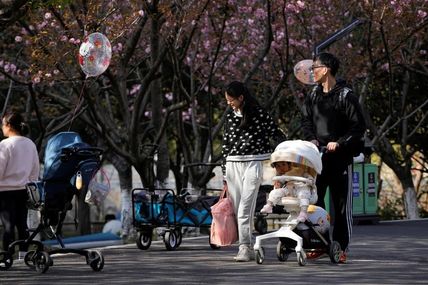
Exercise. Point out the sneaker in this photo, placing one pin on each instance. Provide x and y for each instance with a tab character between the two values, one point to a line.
342	258
245	254
314	255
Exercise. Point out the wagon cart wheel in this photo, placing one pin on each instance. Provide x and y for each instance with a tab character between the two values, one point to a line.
179	235
334	252
282	252
170	240
42	260
301	258
144	240
95	260
260	255
6	260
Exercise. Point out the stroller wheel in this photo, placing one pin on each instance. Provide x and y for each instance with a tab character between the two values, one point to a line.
170	240
179	236
301	258
144	240
282	252
95	260
260	255
334	252
29	259
261	225
6	260
42	261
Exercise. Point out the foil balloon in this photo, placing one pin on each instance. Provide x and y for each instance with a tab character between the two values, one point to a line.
302	71
94	54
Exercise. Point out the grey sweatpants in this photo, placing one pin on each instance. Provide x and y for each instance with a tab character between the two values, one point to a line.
243	181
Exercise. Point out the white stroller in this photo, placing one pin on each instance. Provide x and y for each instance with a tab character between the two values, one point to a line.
294	236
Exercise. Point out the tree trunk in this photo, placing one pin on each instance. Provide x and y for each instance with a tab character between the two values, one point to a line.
124	170
162	163
410	200
125	179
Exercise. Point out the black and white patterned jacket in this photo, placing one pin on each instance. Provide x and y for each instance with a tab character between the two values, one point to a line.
251	142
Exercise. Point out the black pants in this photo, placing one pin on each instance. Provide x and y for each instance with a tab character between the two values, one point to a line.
338	177
13	213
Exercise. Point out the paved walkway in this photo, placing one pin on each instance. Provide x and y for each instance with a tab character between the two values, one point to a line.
386	253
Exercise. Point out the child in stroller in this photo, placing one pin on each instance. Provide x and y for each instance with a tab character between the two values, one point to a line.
307	226
283	159
68	167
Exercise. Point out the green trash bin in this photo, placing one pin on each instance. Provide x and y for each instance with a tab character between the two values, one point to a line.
327	200
370	189
358	189
364	192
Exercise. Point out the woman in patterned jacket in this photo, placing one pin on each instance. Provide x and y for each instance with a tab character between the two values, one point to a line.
246	144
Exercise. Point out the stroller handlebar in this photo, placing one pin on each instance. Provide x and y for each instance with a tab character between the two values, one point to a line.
284	178
66	152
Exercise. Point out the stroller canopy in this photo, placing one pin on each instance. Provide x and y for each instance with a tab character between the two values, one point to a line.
54	149
298	151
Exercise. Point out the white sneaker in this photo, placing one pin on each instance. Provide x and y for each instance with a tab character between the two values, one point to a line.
245	254
267	209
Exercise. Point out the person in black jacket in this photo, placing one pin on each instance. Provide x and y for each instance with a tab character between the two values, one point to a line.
333	120
248	130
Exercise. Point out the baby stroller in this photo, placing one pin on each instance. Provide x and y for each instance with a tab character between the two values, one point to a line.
68	167
294	236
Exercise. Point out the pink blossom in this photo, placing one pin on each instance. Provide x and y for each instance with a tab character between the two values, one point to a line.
422	14
63	38
41	25
349	45
169	96
48	75
56	71
301	4
135	88
385	67
423	52
48	15
72	40
12	67
141	13
18	39
36	79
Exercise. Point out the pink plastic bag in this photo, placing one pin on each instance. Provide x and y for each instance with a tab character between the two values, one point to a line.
224	230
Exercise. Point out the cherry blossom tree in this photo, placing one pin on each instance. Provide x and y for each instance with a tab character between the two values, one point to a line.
161	98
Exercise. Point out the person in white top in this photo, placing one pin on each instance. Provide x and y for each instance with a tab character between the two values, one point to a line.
19	164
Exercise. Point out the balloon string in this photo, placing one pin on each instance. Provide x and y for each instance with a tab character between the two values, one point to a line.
78	103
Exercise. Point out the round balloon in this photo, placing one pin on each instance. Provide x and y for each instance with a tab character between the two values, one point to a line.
94	54
302	71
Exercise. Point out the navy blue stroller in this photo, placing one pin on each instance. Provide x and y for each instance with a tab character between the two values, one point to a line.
68	167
